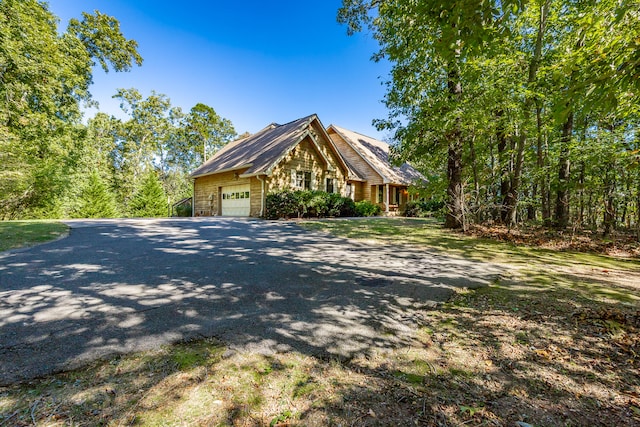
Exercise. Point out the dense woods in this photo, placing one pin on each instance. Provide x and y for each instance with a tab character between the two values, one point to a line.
517	110
52	163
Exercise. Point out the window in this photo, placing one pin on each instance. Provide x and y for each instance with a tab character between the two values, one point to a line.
301	180
351	191
380	193
397	195
329	185
307	180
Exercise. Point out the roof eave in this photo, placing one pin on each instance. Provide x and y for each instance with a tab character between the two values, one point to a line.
245	166
385	180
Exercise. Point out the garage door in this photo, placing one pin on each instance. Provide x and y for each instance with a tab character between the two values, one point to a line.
235	200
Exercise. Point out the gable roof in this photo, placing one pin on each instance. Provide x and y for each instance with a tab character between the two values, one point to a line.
376	154
262	151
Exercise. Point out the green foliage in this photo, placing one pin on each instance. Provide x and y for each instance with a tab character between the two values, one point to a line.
159	134
522	108
150	199
307	204
283	417
282	204
96	200
205	132
45	77
367	208
101	37
184	210
423	209
341	206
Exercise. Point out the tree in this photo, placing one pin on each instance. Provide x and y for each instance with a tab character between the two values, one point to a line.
150	199
163	136
141	140
45	76
205	133
504	98
96	200
429	43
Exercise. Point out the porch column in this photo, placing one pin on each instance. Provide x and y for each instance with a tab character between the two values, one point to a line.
387	197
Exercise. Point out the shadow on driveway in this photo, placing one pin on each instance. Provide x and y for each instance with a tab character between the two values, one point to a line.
114	287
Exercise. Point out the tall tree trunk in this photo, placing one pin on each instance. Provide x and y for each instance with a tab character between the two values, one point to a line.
531	207
504	161
511	199
564	170
609	220
543	180
581	180
638	211
455	195
591	216
476	180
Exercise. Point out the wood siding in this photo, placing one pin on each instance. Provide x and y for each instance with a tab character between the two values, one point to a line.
305	158
361	165
208	191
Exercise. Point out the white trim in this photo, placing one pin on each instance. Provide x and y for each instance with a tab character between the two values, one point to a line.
387	197
261	195
319	150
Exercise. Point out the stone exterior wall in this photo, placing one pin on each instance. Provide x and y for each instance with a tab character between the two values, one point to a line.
305	158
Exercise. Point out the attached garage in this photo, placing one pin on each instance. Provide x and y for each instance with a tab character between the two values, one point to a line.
236	200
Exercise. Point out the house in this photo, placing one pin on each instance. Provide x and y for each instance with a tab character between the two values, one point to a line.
378	180
300	155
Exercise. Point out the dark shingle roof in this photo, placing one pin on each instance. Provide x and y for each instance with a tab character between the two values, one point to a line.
259	152
376	154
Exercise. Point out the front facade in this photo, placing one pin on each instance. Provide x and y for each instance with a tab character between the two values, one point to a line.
298	155
377	179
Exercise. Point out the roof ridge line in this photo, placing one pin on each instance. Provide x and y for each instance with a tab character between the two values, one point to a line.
297	120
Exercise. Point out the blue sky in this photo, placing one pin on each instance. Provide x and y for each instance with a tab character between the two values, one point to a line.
254	62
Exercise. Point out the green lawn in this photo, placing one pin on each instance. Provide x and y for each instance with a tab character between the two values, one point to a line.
588	275
17	234
430	233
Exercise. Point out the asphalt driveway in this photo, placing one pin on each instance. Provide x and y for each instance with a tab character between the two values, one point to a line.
118	286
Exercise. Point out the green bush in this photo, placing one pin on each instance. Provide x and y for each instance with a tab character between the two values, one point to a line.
341	206
282	204
184	210
95	200
421	209
367	208
307	204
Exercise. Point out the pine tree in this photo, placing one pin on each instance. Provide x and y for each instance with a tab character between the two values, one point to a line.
150	199
96	200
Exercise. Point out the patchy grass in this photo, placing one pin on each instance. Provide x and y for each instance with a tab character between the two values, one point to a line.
554	342
17	234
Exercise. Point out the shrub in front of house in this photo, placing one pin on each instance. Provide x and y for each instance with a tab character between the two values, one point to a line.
341	206
367	208
307	204
282	204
